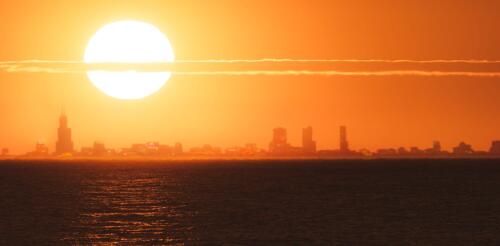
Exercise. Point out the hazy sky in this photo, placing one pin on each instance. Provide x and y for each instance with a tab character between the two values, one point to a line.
384	111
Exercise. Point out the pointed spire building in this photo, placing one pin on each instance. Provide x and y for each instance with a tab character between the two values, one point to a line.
64	143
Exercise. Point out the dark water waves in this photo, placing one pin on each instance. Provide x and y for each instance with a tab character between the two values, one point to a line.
438	202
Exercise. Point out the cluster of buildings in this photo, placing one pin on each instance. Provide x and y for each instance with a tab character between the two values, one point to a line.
278	147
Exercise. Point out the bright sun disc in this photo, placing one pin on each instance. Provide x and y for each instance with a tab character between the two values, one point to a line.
128	42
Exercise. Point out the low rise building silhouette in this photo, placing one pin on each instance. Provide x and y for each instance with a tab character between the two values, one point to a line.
99	149
415	151
250	149
41	150
463	149
435	150
403	151
205	150
386	152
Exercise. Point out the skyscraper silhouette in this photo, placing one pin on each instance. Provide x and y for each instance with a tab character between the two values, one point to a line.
495	148
436	146
344	145
308	144
64	143
279	143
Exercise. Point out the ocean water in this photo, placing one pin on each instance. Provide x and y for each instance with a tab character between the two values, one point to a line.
354	202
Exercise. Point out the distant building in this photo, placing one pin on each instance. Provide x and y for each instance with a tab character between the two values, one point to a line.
5	152
41	150
308	144
463	149
279	144
436	147
138	149
64	144
365	152
234	151
205	150
152	148
86	151
344	145
495	147
178	149
416	151
147	149
435	150
251	148
99	149
165	150
403	151
386	152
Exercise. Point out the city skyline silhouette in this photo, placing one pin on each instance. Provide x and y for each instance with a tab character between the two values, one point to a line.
279	146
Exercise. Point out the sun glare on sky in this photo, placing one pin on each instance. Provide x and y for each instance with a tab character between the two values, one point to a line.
128	42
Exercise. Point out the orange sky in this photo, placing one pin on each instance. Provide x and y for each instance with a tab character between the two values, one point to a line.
232	110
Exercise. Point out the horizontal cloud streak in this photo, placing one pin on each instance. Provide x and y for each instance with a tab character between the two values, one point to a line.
340	73
264	60
283	60
178	68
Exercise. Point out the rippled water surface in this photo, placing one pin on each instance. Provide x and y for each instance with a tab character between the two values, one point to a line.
251	202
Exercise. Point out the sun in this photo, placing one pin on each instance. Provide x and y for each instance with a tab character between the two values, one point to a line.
128	42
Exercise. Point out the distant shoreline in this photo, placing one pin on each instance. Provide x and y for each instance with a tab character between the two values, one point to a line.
242	159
